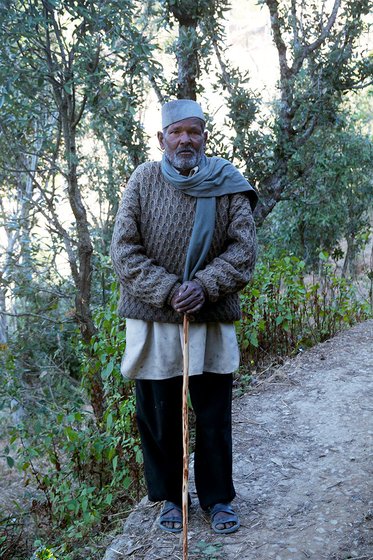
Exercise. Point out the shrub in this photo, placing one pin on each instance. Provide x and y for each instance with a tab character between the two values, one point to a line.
284	311
82	470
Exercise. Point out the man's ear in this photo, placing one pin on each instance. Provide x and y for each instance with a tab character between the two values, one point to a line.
206	135
160	139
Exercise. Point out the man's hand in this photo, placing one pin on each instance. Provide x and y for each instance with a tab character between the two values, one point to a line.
189	298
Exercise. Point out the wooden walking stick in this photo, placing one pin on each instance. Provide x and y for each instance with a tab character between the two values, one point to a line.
185	436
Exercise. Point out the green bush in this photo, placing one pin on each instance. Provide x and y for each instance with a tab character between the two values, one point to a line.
83	471
284	309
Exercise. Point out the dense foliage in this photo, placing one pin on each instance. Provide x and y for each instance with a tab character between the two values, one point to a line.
76	79
286	311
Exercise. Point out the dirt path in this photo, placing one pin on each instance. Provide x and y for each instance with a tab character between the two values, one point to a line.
303	467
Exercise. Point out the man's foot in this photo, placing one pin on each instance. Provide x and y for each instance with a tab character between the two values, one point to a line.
224	519
171	518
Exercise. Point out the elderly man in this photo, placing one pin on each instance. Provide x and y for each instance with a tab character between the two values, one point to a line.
184	243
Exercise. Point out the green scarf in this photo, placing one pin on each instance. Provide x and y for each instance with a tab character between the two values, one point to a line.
215	177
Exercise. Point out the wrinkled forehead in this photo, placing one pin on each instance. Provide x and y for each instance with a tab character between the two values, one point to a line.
183	124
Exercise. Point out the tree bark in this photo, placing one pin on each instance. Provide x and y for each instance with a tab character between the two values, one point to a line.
83	280
64	88
187	50
187	59
18	239
3	320
349	264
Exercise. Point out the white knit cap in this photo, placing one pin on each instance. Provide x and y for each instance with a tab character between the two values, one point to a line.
180	109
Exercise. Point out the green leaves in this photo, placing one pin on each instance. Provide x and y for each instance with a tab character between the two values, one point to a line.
284	311
210	551
9	459
331	175
44	553
108	368
71	434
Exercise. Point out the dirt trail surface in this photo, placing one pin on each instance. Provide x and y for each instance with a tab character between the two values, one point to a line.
303	467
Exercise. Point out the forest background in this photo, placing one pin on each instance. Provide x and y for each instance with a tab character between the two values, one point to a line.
287	88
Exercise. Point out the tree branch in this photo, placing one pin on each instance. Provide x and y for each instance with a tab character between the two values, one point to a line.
277	37
308	49
325	32
153	82
223	67
45	317
80	113
306	134
294	24
57	31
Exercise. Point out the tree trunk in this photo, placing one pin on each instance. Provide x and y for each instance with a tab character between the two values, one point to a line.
187	50
18	238
270	193
3	321
187	60
62	80
349	264
82	273
370	276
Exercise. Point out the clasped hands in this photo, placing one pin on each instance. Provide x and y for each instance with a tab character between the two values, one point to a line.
189	298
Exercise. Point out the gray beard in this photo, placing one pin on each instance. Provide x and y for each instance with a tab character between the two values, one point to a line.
186	163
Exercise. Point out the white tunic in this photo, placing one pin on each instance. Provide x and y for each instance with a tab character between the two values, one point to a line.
154	350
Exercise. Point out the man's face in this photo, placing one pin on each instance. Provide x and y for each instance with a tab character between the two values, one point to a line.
184	143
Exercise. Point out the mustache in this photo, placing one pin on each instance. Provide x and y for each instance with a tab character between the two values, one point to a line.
186	150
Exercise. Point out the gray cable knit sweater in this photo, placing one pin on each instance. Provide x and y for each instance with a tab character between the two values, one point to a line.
150	243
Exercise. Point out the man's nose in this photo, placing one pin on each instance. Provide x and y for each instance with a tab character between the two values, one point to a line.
184	138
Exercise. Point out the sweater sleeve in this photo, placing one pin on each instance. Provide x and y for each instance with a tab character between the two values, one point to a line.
138	273
231	271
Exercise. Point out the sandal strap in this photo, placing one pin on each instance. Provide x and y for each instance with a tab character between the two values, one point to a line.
222	508
166	517
169	506
170	519
232	517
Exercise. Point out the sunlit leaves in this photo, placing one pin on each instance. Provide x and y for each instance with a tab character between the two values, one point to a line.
284	311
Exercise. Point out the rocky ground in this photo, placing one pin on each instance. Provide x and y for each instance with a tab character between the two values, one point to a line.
303	467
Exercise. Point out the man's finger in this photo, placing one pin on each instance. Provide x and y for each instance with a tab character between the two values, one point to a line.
189	299
188	308
188	293
192	299
194	309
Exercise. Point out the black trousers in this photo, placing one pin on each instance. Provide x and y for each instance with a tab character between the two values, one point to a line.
159	418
